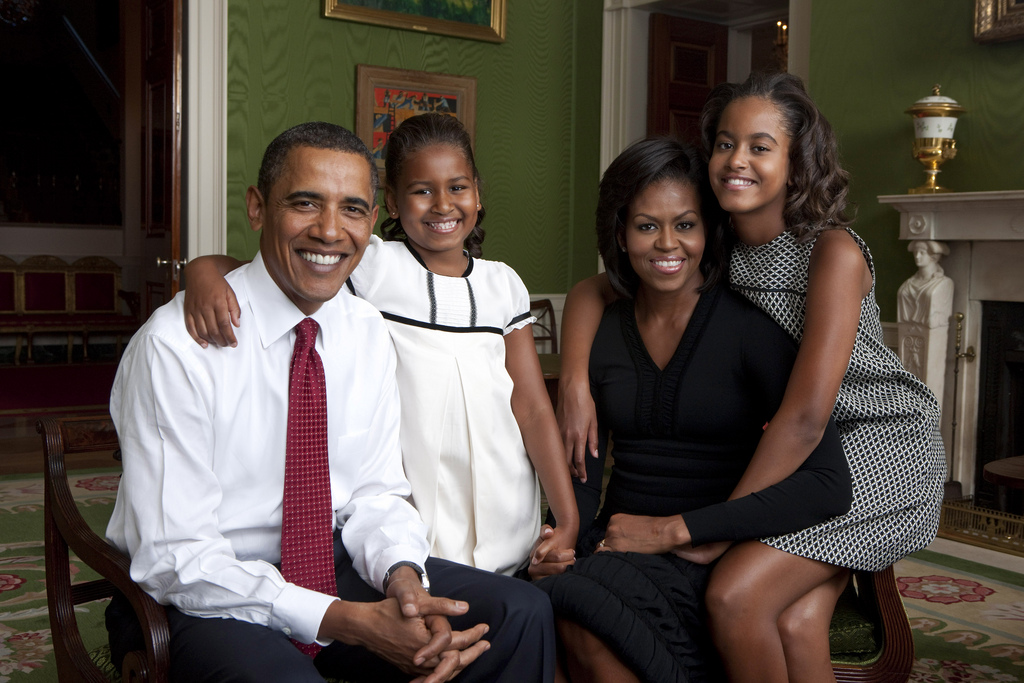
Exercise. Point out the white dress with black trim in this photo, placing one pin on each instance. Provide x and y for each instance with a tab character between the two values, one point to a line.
472	480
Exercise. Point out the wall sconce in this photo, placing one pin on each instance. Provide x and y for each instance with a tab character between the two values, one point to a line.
934	123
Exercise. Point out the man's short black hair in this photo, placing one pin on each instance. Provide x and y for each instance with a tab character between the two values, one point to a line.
318	135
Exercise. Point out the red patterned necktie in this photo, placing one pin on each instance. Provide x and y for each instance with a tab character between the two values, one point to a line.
307	546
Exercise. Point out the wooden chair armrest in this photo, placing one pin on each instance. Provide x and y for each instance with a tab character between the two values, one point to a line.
897	658
65	521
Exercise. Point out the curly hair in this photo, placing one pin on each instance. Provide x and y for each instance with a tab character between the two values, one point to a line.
818	185
639	166
412	135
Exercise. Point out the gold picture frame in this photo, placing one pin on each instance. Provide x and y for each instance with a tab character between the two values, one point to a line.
385	97
996	21
493	32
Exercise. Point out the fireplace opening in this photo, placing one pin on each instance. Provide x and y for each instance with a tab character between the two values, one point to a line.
1001	397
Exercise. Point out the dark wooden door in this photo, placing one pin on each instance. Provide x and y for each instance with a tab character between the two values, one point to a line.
687	58
161	150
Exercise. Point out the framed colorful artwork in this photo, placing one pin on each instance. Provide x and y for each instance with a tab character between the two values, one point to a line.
476	19
386	97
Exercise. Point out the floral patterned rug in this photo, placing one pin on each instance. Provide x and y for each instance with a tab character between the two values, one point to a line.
968	619
25	647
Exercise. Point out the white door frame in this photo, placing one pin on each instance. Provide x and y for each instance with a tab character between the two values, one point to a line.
624	64
206	80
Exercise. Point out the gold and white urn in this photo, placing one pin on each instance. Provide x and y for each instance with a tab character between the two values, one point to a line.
935	119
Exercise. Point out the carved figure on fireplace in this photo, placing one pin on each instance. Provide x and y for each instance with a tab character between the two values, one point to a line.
927	296
924	307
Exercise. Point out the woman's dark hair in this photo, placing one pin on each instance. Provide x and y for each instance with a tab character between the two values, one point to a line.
414	134
641	165
818	185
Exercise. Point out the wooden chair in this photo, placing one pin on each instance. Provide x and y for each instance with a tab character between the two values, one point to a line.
545	330
66	532
871	611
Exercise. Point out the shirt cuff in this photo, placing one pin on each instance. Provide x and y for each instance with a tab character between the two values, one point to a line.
298	613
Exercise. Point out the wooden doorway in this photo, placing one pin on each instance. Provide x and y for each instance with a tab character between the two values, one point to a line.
160	49
687	59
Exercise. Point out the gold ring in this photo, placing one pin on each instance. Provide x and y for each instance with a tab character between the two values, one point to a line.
601	544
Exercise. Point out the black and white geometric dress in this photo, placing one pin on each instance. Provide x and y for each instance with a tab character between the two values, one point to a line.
887	419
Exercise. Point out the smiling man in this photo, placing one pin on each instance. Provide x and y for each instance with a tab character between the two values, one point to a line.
263	496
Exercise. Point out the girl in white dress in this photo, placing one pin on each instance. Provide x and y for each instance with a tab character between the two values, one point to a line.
477	424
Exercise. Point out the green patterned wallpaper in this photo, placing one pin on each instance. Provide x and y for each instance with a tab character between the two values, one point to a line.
870	60
537	128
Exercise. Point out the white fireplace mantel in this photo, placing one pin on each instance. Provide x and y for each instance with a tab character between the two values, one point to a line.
985	234
958	215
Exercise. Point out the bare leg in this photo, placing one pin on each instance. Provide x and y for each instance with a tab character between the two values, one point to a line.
588	658
804	632
750	589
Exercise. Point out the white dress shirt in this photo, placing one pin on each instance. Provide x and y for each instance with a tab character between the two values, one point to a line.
203	433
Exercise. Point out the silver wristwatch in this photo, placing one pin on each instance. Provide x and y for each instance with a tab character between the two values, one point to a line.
424	581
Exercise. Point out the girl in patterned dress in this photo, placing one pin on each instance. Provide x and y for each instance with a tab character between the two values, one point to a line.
774	167
477	424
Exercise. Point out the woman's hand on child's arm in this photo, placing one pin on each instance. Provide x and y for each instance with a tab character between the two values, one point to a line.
211	308
553	552
641	534
577	415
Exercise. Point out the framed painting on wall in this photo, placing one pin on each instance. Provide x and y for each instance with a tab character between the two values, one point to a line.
386	97
996	21
476	19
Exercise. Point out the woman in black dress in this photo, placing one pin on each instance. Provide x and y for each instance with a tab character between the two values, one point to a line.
685	374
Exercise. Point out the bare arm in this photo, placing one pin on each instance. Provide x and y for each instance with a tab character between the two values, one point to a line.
838	280
577	415
536	419
210	305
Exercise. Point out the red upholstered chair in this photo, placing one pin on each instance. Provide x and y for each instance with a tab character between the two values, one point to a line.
45	288
8	301
96	297
43	295
49	296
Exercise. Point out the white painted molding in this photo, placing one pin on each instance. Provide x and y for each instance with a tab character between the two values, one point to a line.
206	213
739	53
800	40
623	80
